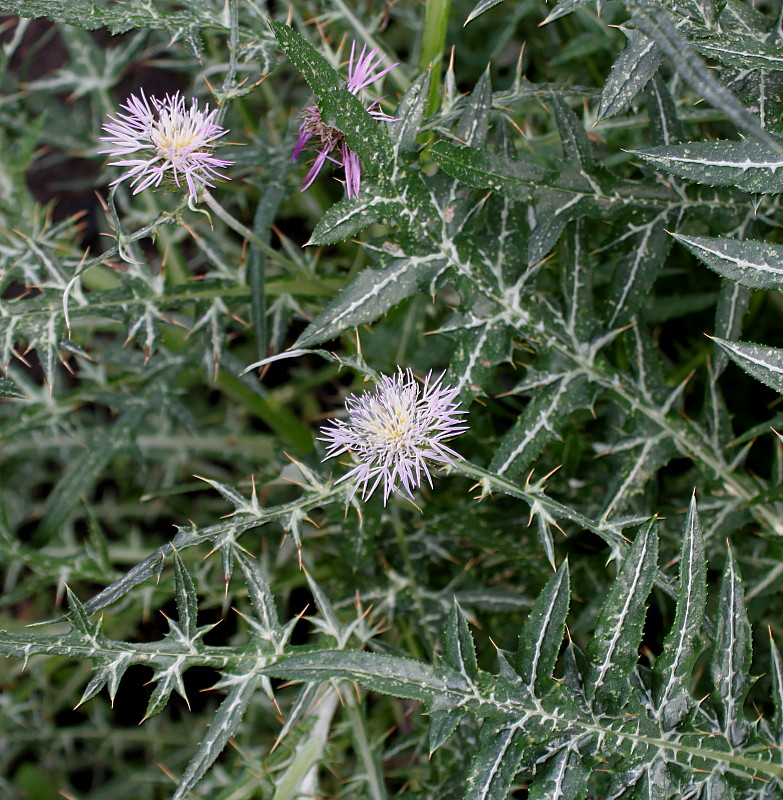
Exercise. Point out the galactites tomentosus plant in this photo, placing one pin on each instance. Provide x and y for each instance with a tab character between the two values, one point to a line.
512	261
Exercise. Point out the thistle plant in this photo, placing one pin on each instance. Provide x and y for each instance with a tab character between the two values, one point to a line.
436	489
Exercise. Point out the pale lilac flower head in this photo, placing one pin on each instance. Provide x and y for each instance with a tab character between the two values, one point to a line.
166	141
394	431
362	71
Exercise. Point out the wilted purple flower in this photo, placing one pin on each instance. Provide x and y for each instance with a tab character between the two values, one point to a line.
171	141
393	431
361	73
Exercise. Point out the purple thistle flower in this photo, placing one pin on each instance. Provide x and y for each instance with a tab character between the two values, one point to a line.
394	431
172	142
361	73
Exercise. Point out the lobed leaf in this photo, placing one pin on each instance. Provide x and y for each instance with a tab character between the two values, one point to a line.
443	723
563	777
539	423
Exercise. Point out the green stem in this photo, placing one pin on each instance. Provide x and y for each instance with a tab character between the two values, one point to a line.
175	265
246	233
433	41
413	582
362	743
233	48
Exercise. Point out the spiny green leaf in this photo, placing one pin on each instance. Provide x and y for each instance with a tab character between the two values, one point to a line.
480	344
660	25
480	8
637	270
167	678
178	21
757	265
741	51
260	596
400	677
672	674
562	8
562	777
576	145
542	634
331	623
409	114
459	652
748	165
731	656
612	652
577	281
369	295
108	673
221	728
315	69
473	124
79	618
500	749
443	723
348	217
187	602
539	423
483	170
630	73
762	362
665	125
733	302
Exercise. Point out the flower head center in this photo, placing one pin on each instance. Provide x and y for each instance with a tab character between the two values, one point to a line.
176	135
396	428
390	426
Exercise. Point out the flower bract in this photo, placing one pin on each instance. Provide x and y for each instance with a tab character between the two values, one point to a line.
331	146
161	140
394	431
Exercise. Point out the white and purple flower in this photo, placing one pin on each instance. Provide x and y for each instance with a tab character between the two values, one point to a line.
167	141
394	431
362	72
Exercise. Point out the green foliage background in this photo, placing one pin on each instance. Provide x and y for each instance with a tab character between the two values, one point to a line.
579	609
